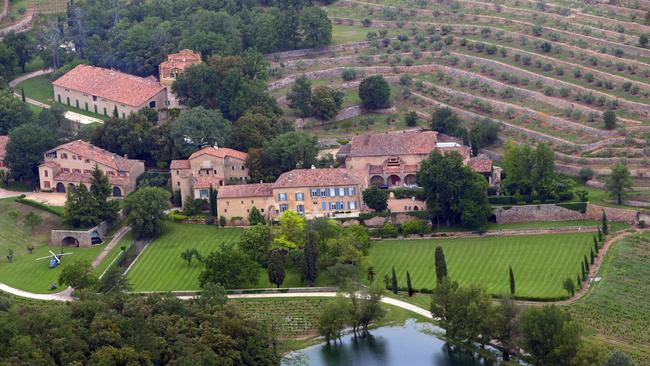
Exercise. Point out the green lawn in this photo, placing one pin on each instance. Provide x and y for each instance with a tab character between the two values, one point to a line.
615	226
617	308
349	33
540	262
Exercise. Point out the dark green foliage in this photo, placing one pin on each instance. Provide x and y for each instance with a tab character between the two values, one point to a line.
126	336
445	121
153	179
13	112
376	199
144	210
229	268
39	205
584	272
511	277
78	275
441	264
299	97
27	144
198	127
411	119
100	189
212	202
287	151
255	217
600	233
311	260
586	265
374	92
569	286
483	134
393	282
275	267
113	281
253	130
326	102
596	245
454	193
192	207
592	256
549	335
619	358
617	184
408	284
80	209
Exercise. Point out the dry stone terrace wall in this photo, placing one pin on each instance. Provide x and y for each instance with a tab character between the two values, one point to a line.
595	212
314	52
636	27
517	214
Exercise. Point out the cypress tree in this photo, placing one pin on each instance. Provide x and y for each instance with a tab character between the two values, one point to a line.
600	234
579	282
408	284
393	282
592	256
116	114
213	201
596	245
582	267
22	94
512	282
310	262
605	224
441	264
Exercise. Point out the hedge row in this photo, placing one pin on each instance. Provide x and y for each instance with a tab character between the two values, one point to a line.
575	206
526	200
425	290
38	205
400	193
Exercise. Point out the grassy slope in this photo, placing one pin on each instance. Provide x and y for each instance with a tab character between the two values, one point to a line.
540	262
617	309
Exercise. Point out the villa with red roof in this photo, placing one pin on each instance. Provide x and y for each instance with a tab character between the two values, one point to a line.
209	167
393	159
4	140
103	91
174	66
71	164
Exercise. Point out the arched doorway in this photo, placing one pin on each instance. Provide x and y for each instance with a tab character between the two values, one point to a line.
70	242
410	180
117	192
72	187
95	238
60	187
376	181
394	180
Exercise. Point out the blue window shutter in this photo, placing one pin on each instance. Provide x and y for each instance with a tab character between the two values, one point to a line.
324	206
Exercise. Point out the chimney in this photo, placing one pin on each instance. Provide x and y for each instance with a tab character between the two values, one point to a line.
126	156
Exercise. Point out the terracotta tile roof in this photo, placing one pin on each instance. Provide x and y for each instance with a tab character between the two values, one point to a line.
480	164
207	182
51	164
73	177
246	190
99	155
317	178
4	140
179	164
220	152
179	62
396	143
110	84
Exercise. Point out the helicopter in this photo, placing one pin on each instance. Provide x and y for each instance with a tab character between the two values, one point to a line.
55	259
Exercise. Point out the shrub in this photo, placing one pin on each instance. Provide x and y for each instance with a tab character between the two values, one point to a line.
575	206
388	231
349	74
585	174
415	227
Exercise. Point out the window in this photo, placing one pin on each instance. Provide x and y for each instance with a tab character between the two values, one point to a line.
262	210
46	184
94	98
86	104
74	157
352	205
242	167
87	161
225	210
324	206
332	193
88	171
204	193
64	156
300	208
76	170
152	104
337	192
77	103
178	184
178	172
346	191
59	98
95	106
283	207
233	167
352	191
66	170
300	196
46	173
122	174
314	193
282	197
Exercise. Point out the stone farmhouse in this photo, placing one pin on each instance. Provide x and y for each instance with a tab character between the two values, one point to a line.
102	91
4	140
175	65
71	164
332	192
209	167
393	159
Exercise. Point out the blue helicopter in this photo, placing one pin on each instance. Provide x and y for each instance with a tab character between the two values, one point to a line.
55	259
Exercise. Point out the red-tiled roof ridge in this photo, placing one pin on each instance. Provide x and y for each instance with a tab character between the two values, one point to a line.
480	163
220	152
179	164
4	140
246	190
97	154
317	178
110	84
394	143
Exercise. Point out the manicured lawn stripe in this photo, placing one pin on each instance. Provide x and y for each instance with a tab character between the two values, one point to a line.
540	262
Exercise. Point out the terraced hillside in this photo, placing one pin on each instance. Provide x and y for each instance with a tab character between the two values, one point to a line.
545	71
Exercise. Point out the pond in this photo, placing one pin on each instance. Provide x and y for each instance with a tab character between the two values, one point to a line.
413	344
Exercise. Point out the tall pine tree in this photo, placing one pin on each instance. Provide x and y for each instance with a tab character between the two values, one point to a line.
441	264
100	189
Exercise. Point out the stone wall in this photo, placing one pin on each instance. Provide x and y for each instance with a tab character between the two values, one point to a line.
83	237
530	213
595	212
